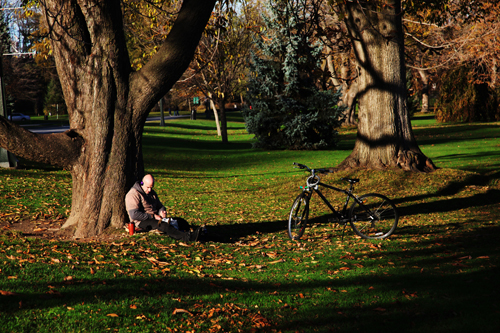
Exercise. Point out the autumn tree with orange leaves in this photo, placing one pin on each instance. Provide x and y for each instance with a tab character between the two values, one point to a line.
457	49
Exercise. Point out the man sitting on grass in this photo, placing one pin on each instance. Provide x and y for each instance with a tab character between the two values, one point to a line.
146	211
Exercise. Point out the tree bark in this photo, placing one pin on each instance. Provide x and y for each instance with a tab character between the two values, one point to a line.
349	87
221	101
385	138
216	114
107	103
424	90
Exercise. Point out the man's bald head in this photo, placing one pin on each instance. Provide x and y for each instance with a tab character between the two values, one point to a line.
148	183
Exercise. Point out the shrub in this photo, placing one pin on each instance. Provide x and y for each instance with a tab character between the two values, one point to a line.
288	110
463	100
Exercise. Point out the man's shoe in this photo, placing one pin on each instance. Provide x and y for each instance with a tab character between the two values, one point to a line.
193	236
203	230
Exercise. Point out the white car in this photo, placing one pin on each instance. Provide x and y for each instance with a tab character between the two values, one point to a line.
19	117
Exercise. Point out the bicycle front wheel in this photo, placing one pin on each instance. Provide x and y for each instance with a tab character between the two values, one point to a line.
299	214
375	217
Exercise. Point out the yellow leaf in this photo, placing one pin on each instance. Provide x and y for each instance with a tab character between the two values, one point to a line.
176	311
112	315
276	261
155	261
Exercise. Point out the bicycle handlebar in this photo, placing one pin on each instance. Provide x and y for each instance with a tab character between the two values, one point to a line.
301	166
314	178
313	171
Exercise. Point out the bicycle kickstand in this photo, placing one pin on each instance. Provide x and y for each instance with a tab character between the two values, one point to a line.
343	231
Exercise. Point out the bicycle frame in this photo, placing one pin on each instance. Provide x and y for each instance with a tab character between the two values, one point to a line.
341	217
371	215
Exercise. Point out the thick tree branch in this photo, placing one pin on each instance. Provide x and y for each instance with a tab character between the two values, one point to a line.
157	77
61	149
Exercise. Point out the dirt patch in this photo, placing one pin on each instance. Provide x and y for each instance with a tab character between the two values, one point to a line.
51	230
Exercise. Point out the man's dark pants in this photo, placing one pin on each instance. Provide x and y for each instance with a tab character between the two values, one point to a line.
166	228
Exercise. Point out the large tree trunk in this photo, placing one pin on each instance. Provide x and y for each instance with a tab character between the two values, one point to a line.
94	73
107	103
385	138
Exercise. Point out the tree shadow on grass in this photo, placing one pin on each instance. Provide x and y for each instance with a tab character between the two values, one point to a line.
444	203
436	296
232	233
455	133
447	203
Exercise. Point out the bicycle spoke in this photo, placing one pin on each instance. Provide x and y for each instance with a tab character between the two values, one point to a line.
297	220
375	217
371	215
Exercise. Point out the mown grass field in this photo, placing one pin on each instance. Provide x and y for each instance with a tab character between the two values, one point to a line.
438	272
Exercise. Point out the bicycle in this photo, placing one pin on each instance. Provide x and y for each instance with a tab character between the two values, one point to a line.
371	216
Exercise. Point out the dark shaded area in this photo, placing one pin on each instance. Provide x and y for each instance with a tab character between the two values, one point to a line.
441	301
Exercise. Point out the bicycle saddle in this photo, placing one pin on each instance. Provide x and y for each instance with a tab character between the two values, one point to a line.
351	180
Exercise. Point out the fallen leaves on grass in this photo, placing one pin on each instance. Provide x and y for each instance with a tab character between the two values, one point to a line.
234	316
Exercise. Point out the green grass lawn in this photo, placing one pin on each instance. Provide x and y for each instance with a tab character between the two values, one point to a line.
437	273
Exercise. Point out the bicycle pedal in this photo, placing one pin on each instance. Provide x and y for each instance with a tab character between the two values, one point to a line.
343	221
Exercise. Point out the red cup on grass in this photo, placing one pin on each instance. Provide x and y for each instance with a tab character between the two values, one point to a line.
131	228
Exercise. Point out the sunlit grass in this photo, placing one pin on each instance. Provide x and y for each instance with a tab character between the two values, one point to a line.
437	273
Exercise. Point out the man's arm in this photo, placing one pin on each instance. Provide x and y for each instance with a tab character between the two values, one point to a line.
162	211
134	210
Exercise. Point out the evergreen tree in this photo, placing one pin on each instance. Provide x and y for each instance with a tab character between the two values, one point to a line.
286	107
54	100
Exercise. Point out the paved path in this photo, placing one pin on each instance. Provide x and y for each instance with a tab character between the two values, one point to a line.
59	129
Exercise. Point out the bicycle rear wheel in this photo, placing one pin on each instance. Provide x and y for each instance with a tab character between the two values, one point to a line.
299	214
375	218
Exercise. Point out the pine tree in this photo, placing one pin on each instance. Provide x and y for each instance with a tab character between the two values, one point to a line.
54	101
286	107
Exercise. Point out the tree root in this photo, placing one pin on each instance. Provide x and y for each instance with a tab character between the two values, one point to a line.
415	162
406	160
